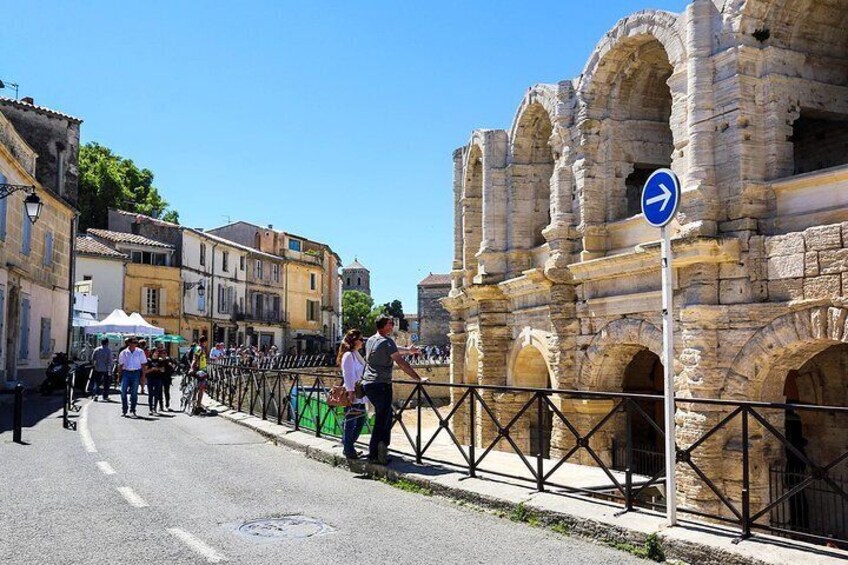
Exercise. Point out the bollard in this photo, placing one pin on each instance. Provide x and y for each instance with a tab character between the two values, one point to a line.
18	415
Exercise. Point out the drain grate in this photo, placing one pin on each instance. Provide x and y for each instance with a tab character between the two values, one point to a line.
286	527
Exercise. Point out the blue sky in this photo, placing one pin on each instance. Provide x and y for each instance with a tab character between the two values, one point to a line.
332	120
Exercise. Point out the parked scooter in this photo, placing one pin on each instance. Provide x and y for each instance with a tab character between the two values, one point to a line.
57	373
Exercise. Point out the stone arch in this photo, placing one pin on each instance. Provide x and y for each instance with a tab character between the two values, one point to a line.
629	117
613	348
472	206
532	162
523	353
784	344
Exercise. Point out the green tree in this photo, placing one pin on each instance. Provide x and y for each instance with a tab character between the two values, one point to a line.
108	180
395	310
356	310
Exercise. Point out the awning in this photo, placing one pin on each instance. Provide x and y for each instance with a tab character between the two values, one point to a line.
83	319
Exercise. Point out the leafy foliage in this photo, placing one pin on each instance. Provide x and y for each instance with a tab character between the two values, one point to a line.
395	310
108	180
356	311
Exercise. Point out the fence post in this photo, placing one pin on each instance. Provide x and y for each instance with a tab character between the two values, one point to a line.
472	416
295	394
239	393
540	470
628	455
746	479
279	399
418	425
66	404
18	415
264	395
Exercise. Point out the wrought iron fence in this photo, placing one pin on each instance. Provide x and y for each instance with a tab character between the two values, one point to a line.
723	453
277	362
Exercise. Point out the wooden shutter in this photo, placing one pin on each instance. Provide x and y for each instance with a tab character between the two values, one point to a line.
2	319
3	205
48	249
24	345
26	235
45	337
163	304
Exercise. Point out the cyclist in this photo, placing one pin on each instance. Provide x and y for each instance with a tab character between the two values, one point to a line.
198	368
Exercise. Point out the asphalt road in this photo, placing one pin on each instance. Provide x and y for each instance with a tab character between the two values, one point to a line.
176	490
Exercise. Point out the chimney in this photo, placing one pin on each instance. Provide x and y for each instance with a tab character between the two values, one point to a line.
28	100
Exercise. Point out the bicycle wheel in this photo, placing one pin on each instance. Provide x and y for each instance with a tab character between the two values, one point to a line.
188	394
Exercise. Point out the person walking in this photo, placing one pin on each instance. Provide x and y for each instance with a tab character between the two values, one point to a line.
142	344
163	360
102	359
381	353
198	369
352	365
131	364
155	376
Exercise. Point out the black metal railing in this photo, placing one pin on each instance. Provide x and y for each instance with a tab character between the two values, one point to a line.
279	362
723	452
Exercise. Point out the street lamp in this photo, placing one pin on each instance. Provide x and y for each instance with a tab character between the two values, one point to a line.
32	203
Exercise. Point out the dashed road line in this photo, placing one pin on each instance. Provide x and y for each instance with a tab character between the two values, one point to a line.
132	497
105	468
85	435
197	545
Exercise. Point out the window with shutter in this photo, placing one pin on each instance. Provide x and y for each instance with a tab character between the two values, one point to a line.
231	298
201	302
44	349
26	235
2	318
48	249
3	204
23	351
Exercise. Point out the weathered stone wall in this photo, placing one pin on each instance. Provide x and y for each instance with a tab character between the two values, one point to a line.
761	252
433	318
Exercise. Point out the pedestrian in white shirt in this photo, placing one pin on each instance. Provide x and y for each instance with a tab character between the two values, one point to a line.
131	364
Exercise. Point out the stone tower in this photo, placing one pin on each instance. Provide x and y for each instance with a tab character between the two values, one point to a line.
356	277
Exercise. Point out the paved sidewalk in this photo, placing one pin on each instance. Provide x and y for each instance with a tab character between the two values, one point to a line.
690	542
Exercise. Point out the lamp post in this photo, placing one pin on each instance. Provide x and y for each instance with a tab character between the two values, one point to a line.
32	202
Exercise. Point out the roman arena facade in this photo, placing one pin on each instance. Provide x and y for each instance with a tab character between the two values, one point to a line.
556	279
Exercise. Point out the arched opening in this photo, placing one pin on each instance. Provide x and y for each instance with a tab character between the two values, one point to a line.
472	213
531	433
632	101
643	375
532	168
816	438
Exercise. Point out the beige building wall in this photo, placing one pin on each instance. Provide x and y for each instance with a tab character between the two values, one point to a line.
37	281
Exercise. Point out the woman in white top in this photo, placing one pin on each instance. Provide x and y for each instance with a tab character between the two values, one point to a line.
352	365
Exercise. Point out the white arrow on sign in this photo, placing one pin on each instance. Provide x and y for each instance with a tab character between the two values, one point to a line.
664	198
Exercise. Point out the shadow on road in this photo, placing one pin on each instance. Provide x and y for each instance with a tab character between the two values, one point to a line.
36	407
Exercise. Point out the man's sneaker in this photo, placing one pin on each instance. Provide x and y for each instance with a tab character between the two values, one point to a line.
134	415
382	453
123	414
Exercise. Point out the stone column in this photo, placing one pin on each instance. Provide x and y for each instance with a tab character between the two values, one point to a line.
458	338
493	310
694	138
492	259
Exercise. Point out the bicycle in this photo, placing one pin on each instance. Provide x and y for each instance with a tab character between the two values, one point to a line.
188	400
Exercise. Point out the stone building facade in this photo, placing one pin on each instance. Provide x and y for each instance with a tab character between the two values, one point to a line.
556	274
38	147
433	319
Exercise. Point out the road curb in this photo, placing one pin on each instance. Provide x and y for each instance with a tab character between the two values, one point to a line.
678	544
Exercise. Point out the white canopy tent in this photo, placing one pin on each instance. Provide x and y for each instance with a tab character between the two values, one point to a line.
118	322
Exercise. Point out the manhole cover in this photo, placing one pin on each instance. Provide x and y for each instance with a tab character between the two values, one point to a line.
287	527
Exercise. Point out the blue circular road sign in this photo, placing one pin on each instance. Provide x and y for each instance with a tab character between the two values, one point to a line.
660	197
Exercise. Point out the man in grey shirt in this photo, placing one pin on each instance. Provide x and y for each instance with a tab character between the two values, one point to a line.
381	353
102	359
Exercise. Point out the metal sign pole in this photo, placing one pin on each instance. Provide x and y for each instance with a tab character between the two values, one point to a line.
668	365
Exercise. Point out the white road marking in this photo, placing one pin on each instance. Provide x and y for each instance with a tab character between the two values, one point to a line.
85	435
197	545
105	467
132	497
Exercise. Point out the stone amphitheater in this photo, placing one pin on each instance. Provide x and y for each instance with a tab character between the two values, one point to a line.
556	281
